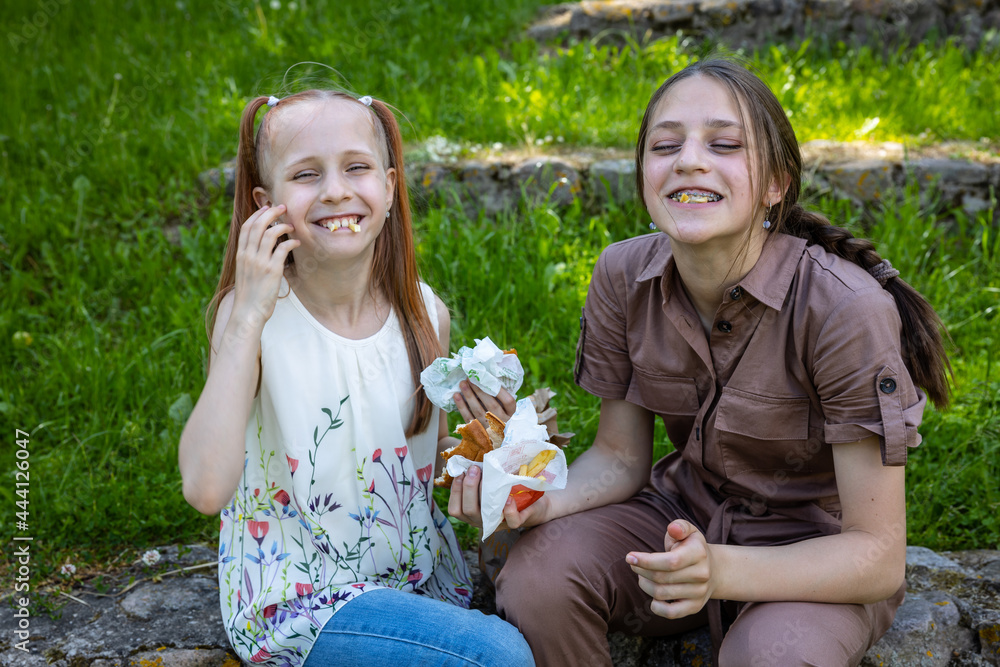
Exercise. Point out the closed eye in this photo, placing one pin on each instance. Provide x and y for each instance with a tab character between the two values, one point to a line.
357	167
303	174
727	147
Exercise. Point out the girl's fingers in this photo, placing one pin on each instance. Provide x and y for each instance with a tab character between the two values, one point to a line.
269	241
258	223
676	608
463	408
241	242
470	493
281	252
672	592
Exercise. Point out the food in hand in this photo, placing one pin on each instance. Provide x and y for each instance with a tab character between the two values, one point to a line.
475	444
522	495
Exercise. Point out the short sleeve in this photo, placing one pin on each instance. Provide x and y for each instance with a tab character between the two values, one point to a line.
862	382
603	367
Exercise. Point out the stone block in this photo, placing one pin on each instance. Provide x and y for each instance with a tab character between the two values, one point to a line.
614	179
954	173
863	180
220	179
150	599
541	179
959	183
925	633
169	657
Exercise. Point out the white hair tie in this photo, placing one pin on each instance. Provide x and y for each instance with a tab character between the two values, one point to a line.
272	100
366	100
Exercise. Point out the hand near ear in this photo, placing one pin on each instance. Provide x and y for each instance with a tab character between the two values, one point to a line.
680	578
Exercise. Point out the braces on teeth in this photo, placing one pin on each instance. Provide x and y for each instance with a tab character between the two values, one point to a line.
350	223
695	198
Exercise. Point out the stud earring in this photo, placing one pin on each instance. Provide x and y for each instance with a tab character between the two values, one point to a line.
387	215
652	226
767	216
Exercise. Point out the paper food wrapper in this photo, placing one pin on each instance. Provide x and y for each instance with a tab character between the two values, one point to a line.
523	438
485	365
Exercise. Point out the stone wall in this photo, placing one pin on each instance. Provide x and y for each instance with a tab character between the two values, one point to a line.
866	174
755	22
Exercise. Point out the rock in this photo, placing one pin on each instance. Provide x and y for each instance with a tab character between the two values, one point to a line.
220	179
924	557
547	179
926	632
957	182
691	649
149	599
613	180
864	180
178	658
867	174
749	23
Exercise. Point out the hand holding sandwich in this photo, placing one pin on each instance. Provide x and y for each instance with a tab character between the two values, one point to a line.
464	504
473	403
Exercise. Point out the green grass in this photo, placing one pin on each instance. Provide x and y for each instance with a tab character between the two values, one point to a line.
112	111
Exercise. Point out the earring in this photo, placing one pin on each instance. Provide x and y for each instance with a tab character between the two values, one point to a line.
652	226
387	215
767	221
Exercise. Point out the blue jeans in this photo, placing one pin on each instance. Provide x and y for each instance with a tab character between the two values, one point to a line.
390	628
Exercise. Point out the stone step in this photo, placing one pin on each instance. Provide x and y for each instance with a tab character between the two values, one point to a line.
865	173
951	616
749	23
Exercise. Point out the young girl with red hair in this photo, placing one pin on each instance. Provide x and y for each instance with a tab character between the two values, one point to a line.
310	436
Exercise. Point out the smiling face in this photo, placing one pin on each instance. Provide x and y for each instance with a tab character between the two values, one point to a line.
326	164
697	163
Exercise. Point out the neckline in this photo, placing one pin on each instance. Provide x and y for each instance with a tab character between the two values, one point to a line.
321	328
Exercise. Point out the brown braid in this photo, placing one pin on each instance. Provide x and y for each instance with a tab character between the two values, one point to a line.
921	339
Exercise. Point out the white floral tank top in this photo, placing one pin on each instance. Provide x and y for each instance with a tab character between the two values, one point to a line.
334	500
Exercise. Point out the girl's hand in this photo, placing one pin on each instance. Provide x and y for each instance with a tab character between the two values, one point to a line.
260	265
680	579
474	403
464	503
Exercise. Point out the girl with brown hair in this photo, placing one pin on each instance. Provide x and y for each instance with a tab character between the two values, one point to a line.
786	360
310	436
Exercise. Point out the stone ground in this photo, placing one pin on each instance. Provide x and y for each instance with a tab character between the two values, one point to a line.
951	617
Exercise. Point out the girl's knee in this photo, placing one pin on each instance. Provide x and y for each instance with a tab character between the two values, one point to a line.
775	634
765	644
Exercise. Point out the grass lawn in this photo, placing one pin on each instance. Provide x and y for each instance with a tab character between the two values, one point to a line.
108	253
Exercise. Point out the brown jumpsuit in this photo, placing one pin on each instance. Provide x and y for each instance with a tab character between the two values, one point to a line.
804	353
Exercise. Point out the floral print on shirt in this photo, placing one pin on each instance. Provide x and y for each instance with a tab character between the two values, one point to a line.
292	552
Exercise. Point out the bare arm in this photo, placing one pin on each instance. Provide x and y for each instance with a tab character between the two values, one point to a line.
212	445
864	563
